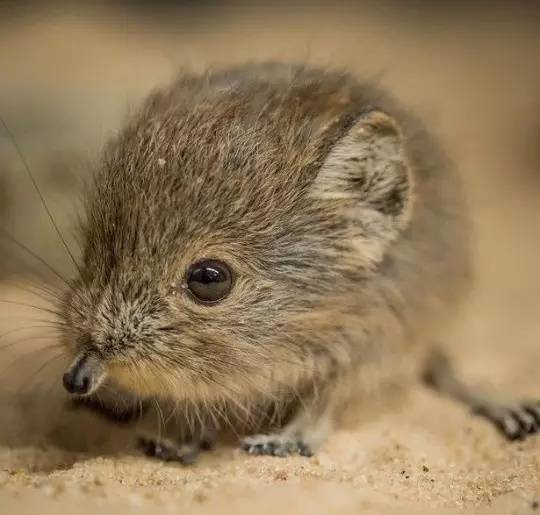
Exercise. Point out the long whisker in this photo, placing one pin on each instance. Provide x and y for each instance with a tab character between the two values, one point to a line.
26	354
40	322
27	328
27	305
34	254
161	421
55	296
35	337
49	295
49	361
41	368
38	191
141	412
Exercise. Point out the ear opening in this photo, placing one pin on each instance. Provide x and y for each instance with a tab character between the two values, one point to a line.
367	171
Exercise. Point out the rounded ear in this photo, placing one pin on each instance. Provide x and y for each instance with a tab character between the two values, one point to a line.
368	171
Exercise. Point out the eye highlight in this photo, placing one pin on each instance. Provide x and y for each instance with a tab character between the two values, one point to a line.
209	280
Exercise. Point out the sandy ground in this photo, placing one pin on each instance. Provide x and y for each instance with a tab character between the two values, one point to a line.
475	82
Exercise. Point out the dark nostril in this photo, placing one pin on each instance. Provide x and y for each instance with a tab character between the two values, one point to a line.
76	382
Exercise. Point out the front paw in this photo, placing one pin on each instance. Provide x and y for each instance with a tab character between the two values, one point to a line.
276	445
185	454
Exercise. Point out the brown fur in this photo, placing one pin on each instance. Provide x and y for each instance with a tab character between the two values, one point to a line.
343	224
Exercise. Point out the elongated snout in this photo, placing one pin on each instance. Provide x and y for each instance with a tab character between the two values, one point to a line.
84	375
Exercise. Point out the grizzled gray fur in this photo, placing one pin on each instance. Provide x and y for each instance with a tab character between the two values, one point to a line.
341	223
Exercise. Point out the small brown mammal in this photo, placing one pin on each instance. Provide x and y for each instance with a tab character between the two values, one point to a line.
261	245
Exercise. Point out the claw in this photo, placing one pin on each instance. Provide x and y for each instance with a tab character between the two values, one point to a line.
166	451
515	422
278	446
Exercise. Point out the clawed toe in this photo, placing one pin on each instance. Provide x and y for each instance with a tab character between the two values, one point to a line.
515	422
166	451
264	445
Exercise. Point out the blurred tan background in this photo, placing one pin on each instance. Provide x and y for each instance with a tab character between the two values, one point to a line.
69	75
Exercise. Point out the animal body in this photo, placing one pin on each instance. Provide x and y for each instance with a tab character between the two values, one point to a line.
263	245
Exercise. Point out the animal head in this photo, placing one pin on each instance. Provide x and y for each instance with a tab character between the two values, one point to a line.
226	228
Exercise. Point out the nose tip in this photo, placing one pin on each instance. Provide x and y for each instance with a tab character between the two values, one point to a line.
84	375
76	382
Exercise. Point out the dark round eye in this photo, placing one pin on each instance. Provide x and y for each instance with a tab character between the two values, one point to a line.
209	280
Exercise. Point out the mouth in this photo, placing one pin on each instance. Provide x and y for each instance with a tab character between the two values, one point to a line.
85	375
